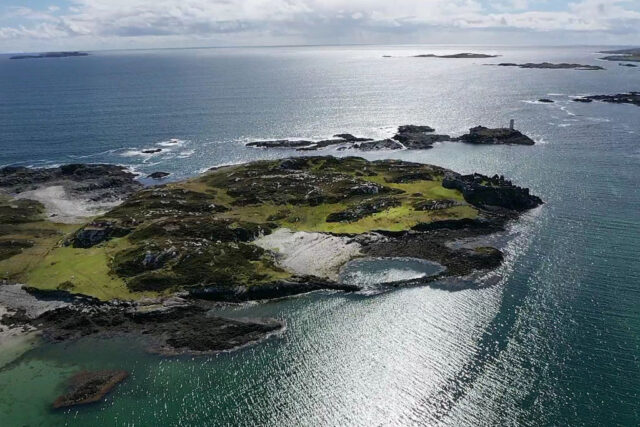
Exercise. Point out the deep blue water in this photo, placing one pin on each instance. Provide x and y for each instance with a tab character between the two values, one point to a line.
555	342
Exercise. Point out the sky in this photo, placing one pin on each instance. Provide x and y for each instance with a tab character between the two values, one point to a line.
44	25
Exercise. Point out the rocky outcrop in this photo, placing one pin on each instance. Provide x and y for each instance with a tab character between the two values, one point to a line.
168	329
97	232
295	286
351	138
483	135
621	98
89	387
307	145
158	175
551	66
418	137
363	209
98	182
384	144
492	192
409	137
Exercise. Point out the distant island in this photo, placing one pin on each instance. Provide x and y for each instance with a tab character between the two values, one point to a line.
551	66
458	56
49	55
629	55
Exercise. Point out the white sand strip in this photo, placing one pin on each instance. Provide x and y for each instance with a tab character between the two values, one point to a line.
64	209
315	254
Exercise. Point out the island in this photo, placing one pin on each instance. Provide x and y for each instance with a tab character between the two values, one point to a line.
407	137
620	98
551	66
150	261
457	56
628	55
49	55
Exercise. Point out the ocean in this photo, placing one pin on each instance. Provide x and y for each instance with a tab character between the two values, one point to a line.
555	339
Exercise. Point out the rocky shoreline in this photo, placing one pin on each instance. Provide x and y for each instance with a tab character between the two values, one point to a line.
407	137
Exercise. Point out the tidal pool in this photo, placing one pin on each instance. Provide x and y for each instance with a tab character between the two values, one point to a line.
371	273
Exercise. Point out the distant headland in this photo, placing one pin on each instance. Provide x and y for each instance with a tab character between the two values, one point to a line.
49	55
630	55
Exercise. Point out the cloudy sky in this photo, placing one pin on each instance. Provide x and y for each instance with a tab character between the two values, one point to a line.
36	25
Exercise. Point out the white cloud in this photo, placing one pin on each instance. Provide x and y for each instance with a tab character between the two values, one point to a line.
308	19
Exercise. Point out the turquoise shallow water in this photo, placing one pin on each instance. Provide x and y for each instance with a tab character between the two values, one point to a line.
554	342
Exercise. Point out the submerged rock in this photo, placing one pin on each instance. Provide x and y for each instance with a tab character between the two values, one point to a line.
89	387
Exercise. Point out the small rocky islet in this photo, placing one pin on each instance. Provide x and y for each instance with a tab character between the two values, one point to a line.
154	264
620	98
409	137
552	66
628	55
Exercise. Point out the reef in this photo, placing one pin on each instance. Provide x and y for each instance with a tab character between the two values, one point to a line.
409	137
89	387
629	55
551	66
49	55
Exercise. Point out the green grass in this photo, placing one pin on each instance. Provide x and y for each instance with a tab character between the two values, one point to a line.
87	269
